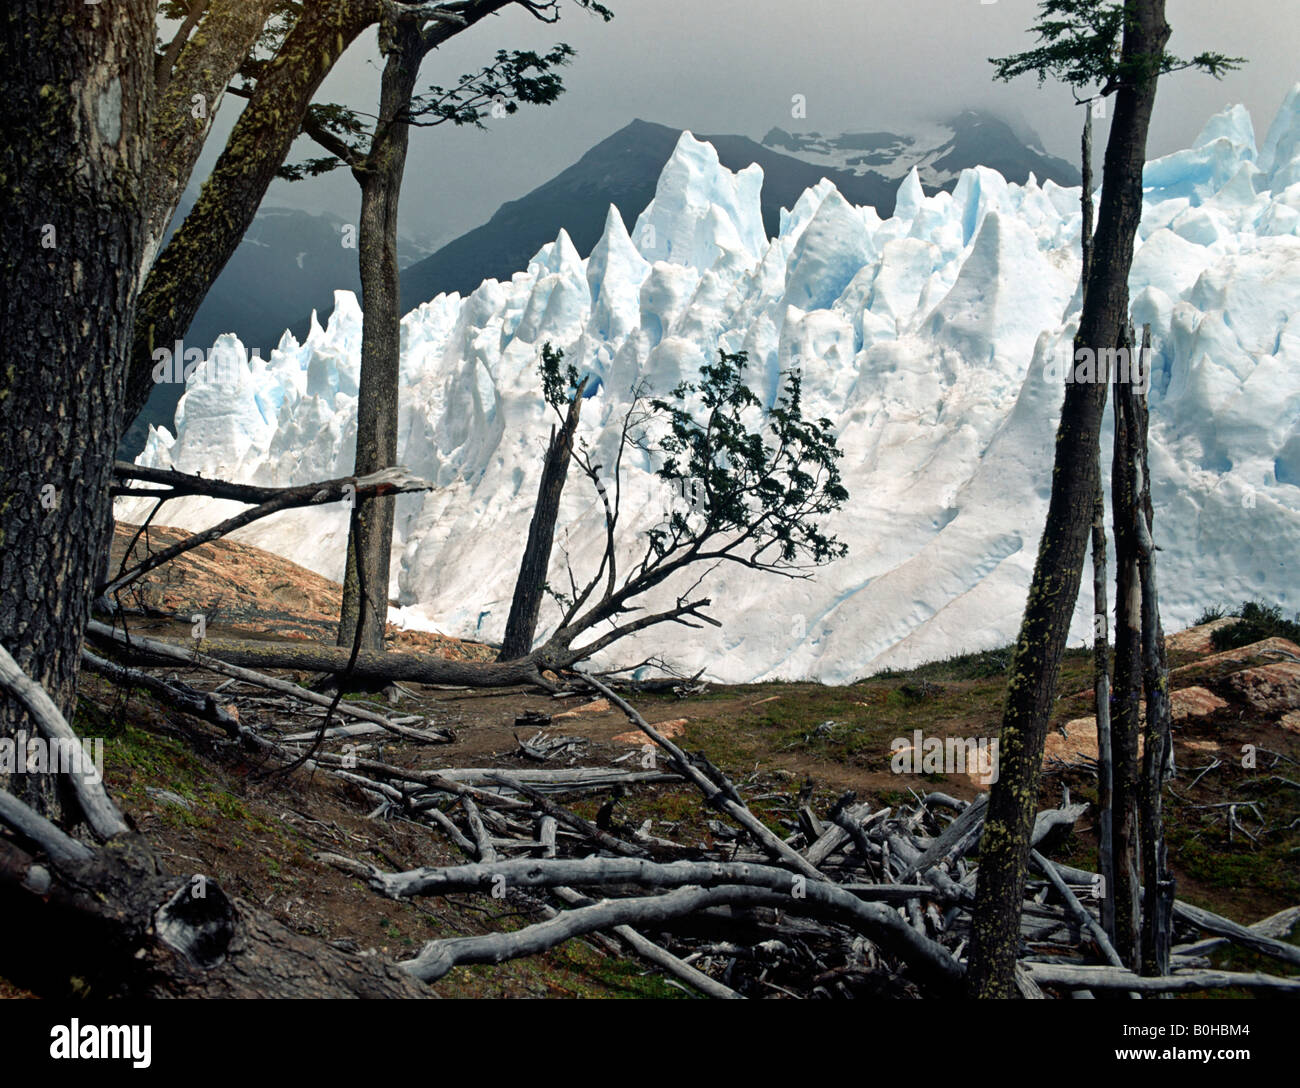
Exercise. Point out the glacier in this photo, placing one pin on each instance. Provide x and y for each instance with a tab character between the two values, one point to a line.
932	339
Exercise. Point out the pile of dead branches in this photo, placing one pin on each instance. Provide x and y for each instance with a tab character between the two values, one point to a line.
857	902
851	902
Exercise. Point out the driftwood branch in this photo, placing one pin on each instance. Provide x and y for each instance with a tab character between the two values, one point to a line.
389	481
723	797
98	808
822	899
1077	977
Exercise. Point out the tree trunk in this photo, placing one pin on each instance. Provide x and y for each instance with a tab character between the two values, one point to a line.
124	928
1157	762
1101	696
193	259
1085	201
1101	640
205	65
1035	668
1125	719
530	586
370	667
75	79
370	546
181	277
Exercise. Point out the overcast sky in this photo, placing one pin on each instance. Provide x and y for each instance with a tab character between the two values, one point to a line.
732	66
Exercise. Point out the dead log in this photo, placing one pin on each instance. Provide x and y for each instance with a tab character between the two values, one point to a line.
1077	909
723	797
1238	934
197	703
1277	925
1210	923
1076	976
557	780
880	924
370	666
958	837
103	816
572	819
172	652
660	957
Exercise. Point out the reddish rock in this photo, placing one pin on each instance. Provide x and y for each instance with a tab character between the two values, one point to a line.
1270	688
668	729
1194	702
1242	654
1196	640
596	706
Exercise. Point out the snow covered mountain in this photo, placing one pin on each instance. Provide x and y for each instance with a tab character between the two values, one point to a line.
622	170
934	339
938	152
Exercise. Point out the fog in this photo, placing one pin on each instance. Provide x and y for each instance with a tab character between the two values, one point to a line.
734	66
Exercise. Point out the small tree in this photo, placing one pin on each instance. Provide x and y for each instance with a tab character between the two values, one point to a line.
376	155
756	487
564	394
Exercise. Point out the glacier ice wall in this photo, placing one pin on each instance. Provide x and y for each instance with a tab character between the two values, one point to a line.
933	341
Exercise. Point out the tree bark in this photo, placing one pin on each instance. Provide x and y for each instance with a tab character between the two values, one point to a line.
1157	761
370	667
1127	703
1101	697
180	278
1100	609
191	262
530	586
75	79
125	928
1035	669
204	66
370	546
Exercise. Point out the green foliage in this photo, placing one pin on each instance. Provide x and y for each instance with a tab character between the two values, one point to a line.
558	388
1258	621
513	78
1210	614
980	665
769	483
1081	44
339	122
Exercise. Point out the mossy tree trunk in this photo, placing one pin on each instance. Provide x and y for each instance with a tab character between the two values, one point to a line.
192	260
370	545
75	80
1158	757
180	278
186	99
1036	663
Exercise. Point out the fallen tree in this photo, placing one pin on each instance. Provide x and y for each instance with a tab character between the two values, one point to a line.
314	657
270	500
